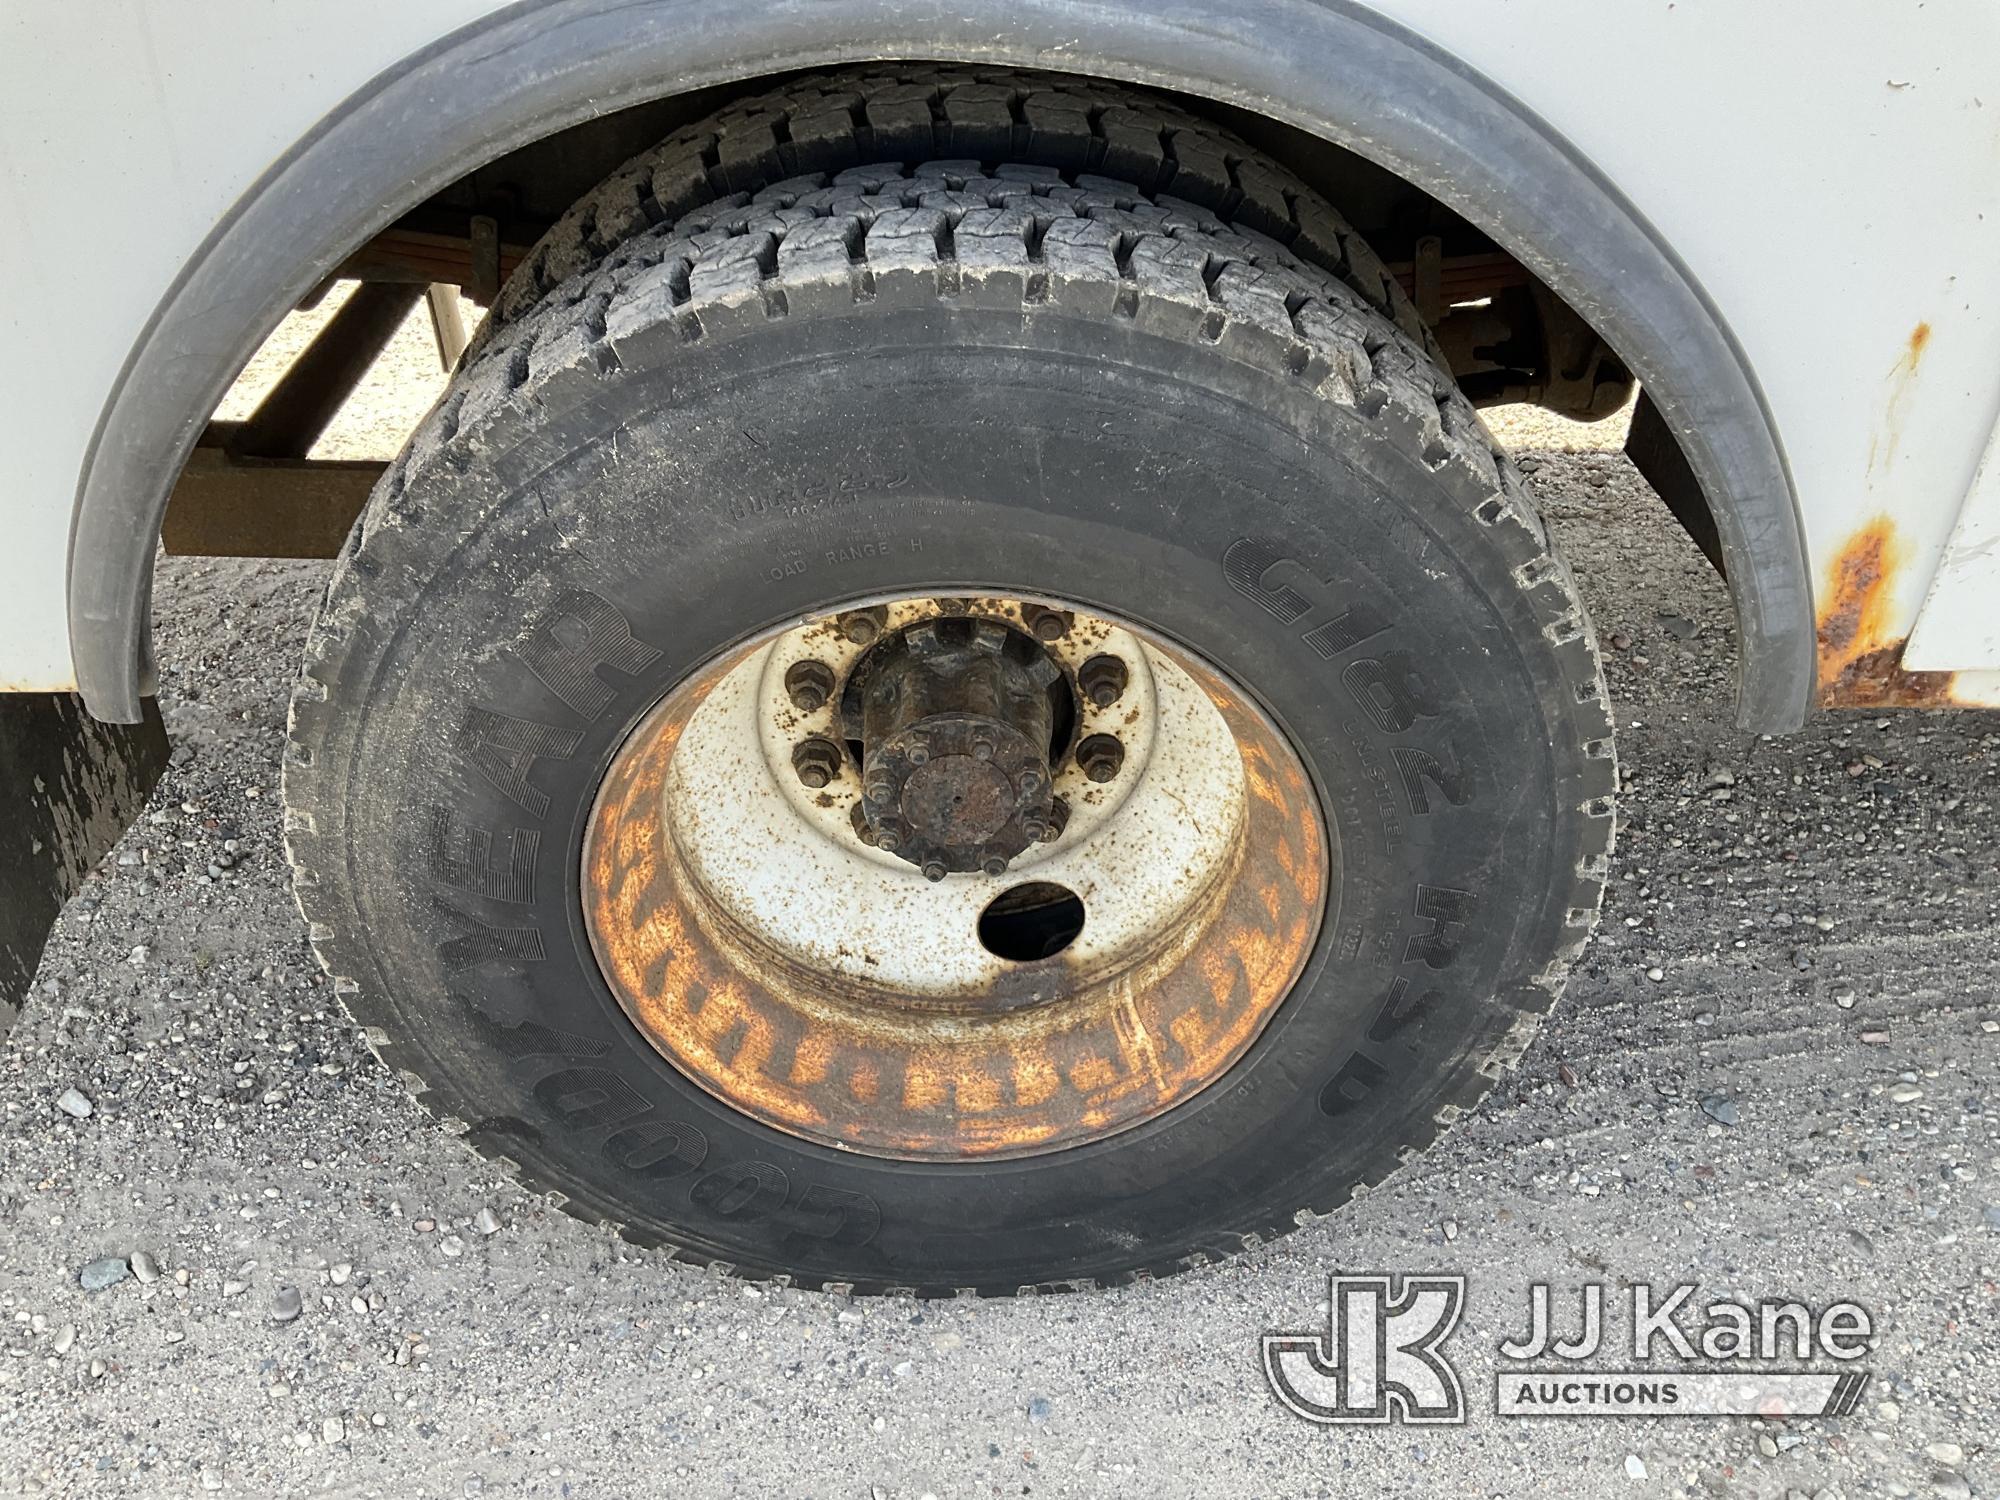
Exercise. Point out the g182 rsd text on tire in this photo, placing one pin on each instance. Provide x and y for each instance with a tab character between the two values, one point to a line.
938	379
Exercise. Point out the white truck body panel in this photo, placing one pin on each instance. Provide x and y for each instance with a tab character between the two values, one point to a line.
1829	172
1959	626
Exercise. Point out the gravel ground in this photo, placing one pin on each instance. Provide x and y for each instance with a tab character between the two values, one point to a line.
318	1291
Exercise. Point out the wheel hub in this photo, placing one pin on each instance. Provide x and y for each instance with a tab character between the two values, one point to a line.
957	719
750	917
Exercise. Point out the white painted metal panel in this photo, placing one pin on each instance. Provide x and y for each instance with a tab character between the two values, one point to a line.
1829	170
1831	174
1960	623
127	128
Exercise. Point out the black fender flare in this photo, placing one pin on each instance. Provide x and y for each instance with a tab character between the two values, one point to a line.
1330	67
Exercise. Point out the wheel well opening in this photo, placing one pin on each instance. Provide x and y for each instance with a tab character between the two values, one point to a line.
1507	338
519	153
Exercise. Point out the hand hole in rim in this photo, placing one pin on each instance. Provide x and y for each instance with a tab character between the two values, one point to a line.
1032	921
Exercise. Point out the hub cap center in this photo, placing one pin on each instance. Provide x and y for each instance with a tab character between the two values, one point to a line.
958	801
958	720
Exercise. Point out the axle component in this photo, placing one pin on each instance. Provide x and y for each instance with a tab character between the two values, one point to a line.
958	719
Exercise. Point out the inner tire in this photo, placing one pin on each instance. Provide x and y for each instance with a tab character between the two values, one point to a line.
759	156
939	378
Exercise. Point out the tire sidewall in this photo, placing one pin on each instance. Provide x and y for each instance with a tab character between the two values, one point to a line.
749	481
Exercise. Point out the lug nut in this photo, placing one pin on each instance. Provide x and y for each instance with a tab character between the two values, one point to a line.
1102	679
982	749
1036	830
863	626
886	840
1058	818
934	870
994	865
879	790
1046	625
1100	756
817	761
919	753
809	684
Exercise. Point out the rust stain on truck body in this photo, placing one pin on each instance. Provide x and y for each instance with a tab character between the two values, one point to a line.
1902	377
1860	644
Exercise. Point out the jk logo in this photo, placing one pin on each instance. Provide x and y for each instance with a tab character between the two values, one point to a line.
1379	1361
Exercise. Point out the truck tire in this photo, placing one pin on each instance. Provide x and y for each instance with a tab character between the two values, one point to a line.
799	542
766	149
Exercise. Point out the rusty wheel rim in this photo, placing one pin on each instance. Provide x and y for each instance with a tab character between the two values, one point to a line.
827	987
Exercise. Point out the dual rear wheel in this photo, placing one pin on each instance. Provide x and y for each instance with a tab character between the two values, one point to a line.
951	723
